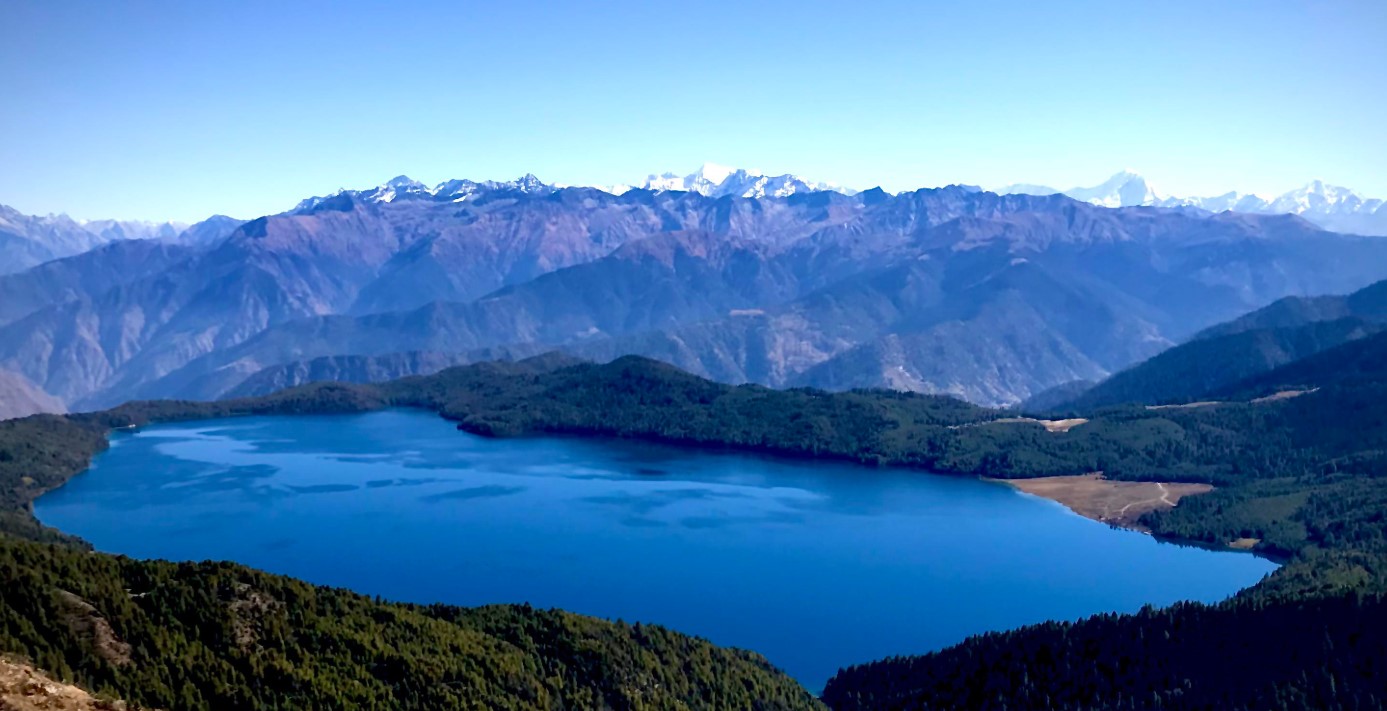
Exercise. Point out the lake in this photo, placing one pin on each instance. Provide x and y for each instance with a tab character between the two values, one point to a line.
816	565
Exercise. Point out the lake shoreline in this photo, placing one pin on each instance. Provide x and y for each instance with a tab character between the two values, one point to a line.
621	532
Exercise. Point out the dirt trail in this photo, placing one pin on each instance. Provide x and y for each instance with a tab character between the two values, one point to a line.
1164	498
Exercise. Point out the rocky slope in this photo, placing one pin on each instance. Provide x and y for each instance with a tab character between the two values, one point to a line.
85	276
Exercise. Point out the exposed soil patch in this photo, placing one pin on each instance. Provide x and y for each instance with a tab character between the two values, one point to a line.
1285	395
249	610
1119	503
1049	425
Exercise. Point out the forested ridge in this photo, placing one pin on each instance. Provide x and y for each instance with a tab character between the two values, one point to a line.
1312	653
1300	475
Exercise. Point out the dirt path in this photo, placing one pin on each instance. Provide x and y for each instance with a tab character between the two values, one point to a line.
1164	498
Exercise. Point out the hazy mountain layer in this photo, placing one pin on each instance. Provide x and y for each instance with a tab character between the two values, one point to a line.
1222	356
990	297
30	240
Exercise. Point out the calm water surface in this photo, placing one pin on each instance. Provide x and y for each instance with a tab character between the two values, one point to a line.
815	565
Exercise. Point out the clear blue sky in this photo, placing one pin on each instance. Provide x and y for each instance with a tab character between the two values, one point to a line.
176	110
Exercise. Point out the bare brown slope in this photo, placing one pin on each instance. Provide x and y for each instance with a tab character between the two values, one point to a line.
24	688
20	398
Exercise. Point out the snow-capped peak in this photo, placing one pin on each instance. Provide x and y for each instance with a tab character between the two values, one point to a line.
1317	195
710	179
404	182
456	190
396	186
716	180
718	174
1333	193
1125	189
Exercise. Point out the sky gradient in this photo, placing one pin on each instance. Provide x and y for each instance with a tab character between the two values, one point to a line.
179	110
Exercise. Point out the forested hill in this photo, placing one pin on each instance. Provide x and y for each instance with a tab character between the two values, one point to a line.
1298	477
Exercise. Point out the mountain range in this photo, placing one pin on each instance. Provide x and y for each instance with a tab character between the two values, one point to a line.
993	298
1332	207
716	180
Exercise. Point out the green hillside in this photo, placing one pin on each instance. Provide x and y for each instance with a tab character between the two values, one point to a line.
218	635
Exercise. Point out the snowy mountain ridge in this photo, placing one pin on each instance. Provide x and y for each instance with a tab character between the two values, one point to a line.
1330	206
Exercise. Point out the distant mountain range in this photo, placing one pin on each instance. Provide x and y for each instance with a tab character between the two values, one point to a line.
1334	208
1331	207
27	240
716	180
710	180
993	298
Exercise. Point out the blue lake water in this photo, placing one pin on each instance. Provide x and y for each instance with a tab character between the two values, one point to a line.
816	565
